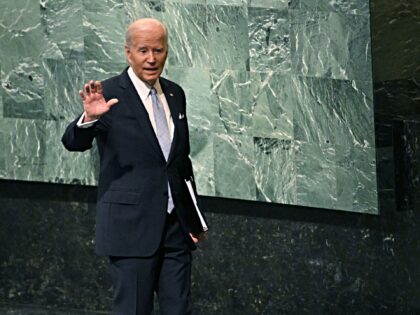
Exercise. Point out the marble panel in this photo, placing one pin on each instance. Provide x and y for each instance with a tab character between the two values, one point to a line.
312	113
104	25
232	92
275	170
140	9
95	70
340	6
2	139
352	102
62	80
23	88
227	28
203	2
274	99
1	93
356	179
227	2
24	148
202	113
278	4
248	71
366	189
21	30
269	44
333	111
188	42
234	167
202	105
62	21
202	157
3	173
316	181
331	45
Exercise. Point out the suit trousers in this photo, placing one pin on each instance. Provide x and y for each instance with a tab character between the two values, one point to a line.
167	272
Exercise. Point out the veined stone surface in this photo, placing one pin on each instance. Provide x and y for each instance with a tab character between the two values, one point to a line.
269	42
62	22
341	6
275	170
279	93
328	44
21	31
23	88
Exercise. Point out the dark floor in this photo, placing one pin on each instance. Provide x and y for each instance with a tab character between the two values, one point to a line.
34	310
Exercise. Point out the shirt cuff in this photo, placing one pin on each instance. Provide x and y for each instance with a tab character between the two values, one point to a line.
88	124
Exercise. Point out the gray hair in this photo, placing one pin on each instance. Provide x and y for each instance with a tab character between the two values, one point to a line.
133	27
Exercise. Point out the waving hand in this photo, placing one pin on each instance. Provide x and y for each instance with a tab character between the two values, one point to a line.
94	102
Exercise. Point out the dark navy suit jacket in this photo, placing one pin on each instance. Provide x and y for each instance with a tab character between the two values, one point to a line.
132	187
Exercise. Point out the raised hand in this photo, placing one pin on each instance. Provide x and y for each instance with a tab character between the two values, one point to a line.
94	102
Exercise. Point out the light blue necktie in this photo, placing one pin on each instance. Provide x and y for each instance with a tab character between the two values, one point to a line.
162	133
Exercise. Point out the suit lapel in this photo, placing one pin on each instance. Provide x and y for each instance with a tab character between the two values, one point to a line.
132	99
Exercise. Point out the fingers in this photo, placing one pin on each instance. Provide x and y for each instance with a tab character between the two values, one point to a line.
86	92
112	102
87	88
95	87
90	88
98	87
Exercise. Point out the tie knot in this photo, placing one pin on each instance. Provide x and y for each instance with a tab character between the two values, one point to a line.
153	91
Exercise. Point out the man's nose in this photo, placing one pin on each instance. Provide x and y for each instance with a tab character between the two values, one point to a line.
151	57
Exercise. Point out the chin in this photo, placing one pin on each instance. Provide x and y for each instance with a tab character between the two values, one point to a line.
152	79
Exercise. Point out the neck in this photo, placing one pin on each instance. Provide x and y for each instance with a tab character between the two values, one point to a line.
150	83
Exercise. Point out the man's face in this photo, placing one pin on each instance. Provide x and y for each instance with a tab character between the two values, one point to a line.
146	53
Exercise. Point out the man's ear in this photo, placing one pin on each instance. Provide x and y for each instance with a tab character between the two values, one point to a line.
127	53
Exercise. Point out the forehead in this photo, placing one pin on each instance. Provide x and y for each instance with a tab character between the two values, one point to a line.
148	36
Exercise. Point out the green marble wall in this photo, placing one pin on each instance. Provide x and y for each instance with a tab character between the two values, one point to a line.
279	92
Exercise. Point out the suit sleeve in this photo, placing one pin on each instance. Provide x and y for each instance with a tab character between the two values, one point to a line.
81	139
188	164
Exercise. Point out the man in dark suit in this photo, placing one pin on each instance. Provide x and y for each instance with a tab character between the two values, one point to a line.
144	219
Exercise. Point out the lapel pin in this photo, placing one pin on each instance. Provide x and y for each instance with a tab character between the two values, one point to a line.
181	116
171	94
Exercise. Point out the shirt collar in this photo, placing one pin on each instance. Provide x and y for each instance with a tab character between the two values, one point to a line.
143	89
